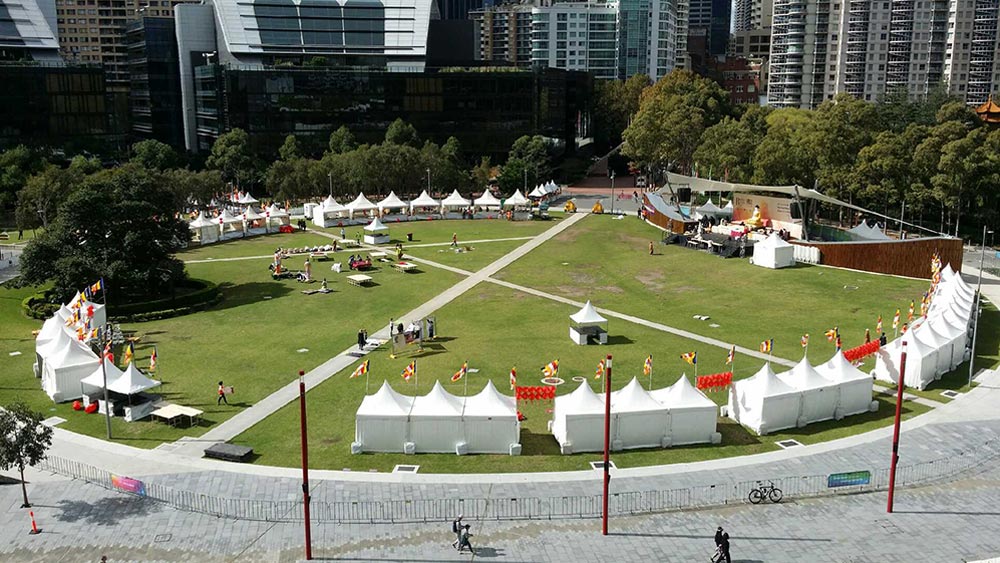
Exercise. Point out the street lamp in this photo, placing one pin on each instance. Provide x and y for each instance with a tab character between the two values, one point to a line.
428	181
525	180
975	310
612	173
209	56
330	177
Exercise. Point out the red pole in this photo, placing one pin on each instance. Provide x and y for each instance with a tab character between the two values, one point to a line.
895	429
607	445
305	464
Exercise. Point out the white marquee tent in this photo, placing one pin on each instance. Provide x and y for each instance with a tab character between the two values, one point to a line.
692	417
230	225
376	232
382	421
952	329
516	200
276	216
250	215
487	201
391	202
436	422
764	403
454	201
710	210
819	395
132	381
359	205
203	230
773	253
855	386
327	214
425	202
921	362
96	379
490	421
637	420
578	421
64	369
246	199
863	231
935	341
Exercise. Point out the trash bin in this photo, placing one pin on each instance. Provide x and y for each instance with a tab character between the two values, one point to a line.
409	237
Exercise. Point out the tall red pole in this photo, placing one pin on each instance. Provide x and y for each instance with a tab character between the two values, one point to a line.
305	464
607	445
895	429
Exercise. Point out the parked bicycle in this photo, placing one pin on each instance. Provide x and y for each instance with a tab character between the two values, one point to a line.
762	492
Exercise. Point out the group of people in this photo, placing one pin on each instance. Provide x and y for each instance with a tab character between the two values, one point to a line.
359	262
362	338
462	534
721	547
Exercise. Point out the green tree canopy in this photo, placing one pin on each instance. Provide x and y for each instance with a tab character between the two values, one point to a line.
402	133
232	156
155	155
342	140
24	440
290	149
120	225
16	166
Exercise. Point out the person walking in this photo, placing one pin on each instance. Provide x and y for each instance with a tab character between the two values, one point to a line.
725	548
454	239
343	233
718	536
650	248
464	542
222	395
456	528
361	339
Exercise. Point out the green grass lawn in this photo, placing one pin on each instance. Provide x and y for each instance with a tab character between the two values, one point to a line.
248	341
607	261
11	231
481	255
253	246
465	325
440	231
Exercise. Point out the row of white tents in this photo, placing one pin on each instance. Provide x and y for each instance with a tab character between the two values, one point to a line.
542	191
866	232
710	209
437	422
937	343
671	416
228	225
330	212
768	402
62	359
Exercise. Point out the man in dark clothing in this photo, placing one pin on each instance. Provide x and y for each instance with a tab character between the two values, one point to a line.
718	537
361	339
725	547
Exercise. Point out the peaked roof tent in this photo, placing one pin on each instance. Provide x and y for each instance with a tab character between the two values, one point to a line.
201	221
455	200
704	185
587	316
425	200
487	200
360	203
516	199
376	226
385	402
490	403
132	381
392	201
332	206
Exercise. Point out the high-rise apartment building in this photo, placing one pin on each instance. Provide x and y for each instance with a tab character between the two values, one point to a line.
504	33
577	36
868	48
751	14
27	31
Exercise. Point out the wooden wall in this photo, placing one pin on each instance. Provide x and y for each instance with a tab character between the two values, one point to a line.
910	257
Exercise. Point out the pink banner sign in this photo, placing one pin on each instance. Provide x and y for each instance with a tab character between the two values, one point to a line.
129	485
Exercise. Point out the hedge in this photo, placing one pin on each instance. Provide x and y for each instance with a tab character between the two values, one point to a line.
37	306
206	294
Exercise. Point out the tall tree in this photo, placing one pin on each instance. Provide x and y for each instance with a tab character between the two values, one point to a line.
342	140
402	133
665	132
232	156
483	172
39	200
783	156
840	129
533	151
290	149
24	441
120	225
726	149
16	166
155	155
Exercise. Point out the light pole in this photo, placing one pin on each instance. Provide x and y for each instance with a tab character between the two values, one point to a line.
305	464
526	180
428	181
330	177
102	344
209	56
612	172
607	445
975	310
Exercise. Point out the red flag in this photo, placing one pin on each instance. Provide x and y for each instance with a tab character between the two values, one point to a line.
513	378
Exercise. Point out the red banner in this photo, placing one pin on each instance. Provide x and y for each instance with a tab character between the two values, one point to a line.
863	351
535	393
715	381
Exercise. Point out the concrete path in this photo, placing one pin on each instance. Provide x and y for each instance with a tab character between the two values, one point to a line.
246	418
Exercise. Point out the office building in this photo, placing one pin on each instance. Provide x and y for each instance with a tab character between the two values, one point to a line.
712	16
458	9
820	49
27	31
154	81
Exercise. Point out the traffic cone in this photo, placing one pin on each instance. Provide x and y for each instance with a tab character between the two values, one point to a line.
34	527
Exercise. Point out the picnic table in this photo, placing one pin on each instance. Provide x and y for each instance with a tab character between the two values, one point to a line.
318	256
404	266
172	414
348	242
359	280
378	255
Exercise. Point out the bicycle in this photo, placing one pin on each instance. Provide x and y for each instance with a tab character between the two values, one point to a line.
762	492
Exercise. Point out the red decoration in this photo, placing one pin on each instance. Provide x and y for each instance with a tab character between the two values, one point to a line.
91	408
535	393
863	351
77	406
714	382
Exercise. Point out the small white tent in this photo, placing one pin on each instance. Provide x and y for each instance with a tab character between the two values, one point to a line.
578	421
425	202
63	371
454	201
938	342
587	323
376	232
391	202
855	386
921	362
132	381
773	253
203	230
819	395
487	201
692	414
637	420
360	205
490	420
764	403
381	423
230	226
436	422
246	199
96	379
516	200
709	210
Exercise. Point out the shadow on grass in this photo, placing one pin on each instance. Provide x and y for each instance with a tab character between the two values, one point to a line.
250	293
734	434
538	444
619	339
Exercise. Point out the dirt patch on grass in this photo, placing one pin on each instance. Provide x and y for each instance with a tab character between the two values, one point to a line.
582	278
652	279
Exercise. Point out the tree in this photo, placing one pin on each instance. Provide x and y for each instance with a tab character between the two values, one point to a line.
840	129
38	201
962	166
155	155
727	149
193	188
615	102
402	133
342	140
665	131
16	166
483	173
290	149
512	175
119	225
783	157
884	169
693	91
24	441
534	153
231	155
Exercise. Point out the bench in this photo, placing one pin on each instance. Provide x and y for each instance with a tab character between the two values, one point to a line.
229	452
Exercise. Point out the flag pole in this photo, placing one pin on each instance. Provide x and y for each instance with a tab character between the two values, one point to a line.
416	378
366	382
465	376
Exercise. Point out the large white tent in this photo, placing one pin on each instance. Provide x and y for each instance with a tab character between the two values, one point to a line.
516	200
946	324
487	201
64	369
490	421
436	422
855	386
359	205
230	226
382	421
578	421
934	340
454	201
203	230
819	395
773	253
328	213
637	420
391	202
692	415
55	341
425	202
764	403
921	362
